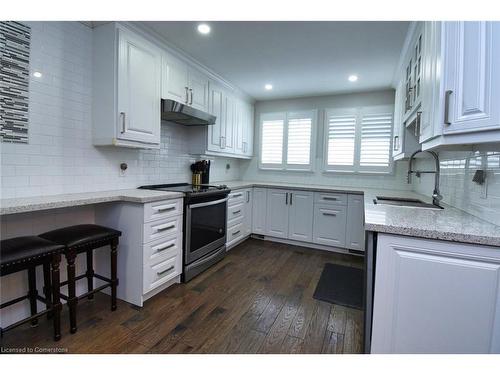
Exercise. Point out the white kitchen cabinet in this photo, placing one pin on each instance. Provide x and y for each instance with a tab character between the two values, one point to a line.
229	117
435	297
216	131
472	76
259	210
239	217
277	213
300	221
126	88
248	129
355	229
329	225
184	84
247	220
174	79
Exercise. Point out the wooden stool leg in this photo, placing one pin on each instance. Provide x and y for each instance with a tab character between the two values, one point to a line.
72	300
32	293
90	273
114	277
56	301
47	288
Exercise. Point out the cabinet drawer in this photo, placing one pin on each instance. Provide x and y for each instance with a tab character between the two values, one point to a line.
329	225
160	273
162	228
235	232
157	251
330	198
162	209
235	212
236	197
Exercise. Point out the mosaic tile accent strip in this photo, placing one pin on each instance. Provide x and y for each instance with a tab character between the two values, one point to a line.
14	81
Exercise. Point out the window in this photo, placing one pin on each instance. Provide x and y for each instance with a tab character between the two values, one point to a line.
358	140
286	140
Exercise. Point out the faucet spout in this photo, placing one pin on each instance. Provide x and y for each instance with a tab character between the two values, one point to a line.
436	195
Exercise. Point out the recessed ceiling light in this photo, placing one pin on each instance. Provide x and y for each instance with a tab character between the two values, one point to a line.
268	86
353	78
203	28
37	74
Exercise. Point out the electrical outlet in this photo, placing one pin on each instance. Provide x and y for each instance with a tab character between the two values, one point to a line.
123	169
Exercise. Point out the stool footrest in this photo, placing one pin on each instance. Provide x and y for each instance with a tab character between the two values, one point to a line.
14	301
26	320
108	284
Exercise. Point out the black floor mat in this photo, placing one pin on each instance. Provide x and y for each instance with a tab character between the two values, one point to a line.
341	285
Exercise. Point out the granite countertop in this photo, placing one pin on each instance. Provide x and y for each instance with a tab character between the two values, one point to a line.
449	224
48	202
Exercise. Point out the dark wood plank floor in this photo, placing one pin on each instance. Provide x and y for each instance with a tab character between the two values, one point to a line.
257	300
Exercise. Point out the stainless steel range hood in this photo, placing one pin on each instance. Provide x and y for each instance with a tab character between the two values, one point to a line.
185	115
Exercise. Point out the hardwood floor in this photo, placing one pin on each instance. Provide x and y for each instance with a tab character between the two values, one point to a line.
257	300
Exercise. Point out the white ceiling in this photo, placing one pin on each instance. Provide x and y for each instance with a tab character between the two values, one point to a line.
298	58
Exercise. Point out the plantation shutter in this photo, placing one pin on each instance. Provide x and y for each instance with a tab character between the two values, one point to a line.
272	140
341	140
299	140
376	131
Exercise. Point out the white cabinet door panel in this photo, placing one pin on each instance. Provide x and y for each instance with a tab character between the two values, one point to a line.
228	136
174	80
435	297
277	213
300	223
329	225
247	220
216	108
472	70
138	90
259	210
198	91
355	230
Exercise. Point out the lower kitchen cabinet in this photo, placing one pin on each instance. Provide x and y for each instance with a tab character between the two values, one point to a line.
355	225
329	225
259	210
435	297
239	217
277	213
150	249
300	223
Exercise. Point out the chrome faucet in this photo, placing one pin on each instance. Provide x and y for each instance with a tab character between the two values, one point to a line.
436	196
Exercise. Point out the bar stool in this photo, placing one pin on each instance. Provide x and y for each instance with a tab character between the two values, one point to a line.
26	253
79	239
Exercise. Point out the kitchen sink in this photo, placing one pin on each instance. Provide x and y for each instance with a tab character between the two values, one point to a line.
405	202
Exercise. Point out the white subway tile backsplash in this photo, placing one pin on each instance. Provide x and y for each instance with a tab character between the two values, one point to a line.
60	157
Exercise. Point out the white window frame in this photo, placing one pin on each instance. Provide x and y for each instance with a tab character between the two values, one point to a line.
358	112
285	116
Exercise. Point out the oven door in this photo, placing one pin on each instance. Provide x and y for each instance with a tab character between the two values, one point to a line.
205	227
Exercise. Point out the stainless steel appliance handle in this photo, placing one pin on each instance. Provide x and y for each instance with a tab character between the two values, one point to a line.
205	204
164	272
447	95
205	259
123	122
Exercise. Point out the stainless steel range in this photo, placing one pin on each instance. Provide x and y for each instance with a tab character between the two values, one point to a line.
205	210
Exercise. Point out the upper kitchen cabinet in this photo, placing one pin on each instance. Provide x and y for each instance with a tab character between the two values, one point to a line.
126	88
183	83
232	133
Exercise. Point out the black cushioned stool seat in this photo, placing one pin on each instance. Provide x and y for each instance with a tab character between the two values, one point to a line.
26	253
85	238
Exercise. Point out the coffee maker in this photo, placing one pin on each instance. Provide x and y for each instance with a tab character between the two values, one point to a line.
201	172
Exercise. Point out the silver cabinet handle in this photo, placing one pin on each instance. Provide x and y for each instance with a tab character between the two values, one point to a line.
447	95
187	94
122	114
330	198
235	233
165	228
291	199
190	96
396	142
164	209
286	198
164	272
329	214
248	196
236	212
237	195
165	248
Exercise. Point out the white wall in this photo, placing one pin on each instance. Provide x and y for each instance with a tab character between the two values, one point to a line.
251	171
457	188
60	157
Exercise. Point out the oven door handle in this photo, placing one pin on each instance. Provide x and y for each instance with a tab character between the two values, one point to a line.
207	258
205	204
